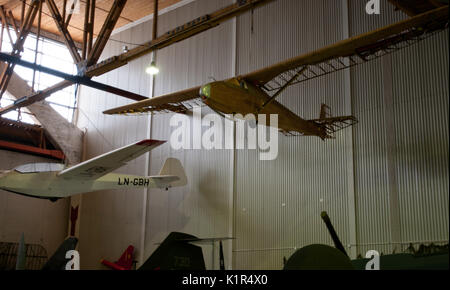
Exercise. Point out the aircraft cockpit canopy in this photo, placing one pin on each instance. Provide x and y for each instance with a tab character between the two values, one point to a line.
39	167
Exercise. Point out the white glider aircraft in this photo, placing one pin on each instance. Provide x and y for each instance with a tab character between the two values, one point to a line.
53	181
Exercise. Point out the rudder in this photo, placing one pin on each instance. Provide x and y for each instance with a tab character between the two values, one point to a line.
173	166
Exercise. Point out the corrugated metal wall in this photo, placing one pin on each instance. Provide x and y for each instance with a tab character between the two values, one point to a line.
273	207
111	220
421	118
279	202
202	208
420	94
40	220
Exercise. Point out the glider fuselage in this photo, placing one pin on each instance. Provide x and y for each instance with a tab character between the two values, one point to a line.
240	97
50	185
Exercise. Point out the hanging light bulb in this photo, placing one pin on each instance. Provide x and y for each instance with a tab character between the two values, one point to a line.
152	69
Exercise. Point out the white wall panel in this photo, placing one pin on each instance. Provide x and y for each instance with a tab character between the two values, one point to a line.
111	220
421	115
273	207
41	221
202	207
279	202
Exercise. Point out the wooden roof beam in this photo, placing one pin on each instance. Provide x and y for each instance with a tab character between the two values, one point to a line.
63	30
46	34
189	29
105	32
5	22
180	33
18	45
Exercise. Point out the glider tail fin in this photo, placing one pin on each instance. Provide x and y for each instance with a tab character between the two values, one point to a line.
173	167
176	253
21	254
58	261
125	262
329	125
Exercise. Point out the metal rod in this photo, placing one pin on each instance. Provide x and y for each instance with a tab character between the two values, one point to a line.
155	20
155	31
334	236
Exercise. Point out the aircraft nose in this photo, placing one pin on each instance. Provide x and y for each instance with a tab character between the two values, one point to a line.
205	92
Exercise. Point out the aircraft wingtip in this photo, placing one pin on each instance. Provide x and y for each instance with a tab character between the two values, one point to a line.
150	142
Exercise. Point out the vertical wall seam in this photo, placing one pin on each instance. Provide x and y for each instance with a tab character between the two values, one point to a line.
349	142
394	209
232	203
147	173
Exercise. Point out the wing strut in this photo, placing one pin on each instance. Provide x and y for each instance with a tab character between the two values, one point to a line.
287	84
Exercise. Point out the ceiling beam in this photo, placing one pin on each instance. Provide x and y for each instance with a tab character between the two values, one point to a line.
85	29
180	33
63	30
72	78
91	27
46	34
5	23
56	154
13	21
17	47
183	32
105	32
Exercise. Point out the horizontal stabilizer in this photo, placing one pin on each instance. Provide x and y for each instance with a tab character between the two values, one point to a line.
330	124
334	124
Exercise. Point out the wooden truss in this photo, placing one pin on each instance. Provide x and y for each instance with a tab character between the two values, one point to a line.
87	61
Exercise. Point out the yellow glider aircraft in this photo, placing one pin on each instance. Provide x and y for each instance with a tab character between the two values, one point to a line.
255	93
52	181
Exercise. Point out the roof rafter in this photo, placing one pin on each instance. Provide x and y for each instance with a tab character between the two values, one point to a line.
105	32
46	34
180	33
18	45
63	30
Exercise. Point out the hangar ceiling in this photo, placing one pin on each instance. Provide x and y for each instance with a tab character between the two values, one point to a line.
133	11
